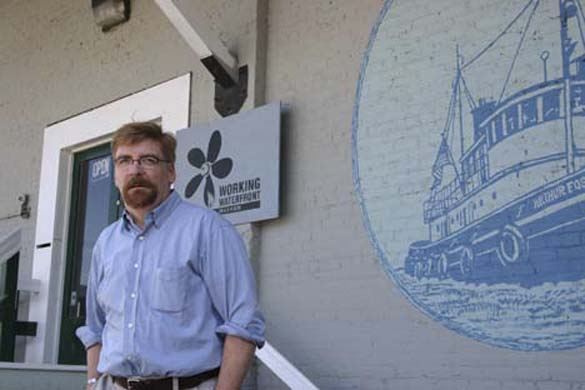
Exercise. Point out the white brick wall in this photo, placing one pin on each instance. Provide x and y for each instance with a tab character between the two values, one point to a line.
329	305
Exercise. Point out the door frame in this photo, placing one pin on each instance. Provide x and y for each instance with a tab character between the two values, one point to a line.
168	102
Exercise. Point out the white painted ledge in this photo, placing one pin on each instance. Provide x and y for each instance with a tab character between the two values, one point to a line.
41	367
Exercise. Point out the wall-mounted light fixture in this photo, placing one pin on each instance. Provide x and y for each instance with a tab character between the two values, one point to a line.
231	81
110	13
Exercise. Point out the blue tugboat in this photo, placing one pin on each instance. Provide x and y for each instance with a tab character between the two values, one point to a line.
511	208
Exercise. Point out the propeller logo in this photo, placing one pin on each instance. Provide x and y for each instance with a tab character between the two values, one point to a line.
208	167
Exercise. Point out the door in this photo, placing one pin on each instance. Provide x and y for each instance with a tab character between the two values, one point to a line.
94	205
8	307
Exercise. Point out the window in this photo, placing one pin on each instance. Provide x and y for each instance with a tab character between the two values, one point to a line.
578	96
512	119
551	102
529	112
499	128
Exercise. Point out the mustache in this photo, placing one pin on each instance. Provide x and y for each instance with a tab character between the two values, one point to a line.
138	181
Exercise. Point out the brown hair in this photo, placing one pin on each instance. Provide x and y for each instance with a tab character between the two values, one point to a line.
136	132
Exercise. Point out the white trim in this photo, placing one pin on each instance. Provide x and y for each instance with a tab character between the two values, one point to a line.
168	101
283	369
9	245
29	285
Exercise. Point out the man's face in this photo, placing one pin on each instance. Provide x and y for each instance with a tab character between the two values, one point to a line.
143	188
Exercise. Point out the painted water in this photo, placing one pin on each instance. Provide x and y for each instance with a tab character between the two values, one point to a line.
532	319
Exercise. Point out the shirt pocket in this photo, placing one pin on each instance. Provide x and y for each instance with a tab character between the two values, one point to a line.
170	289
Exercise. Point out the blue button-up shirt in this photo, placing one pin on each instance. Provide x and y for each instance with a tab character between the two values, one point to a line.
161	299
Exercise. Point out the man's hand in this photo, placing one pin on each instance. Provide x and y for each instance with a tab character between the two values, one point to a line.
93	356
237	356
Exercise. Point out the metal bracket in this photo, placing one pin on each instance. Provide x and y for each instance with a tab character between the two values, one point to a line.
24	206
229	100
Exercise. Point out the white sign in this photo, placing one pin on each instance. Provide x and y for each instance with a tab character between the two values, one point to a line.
233	164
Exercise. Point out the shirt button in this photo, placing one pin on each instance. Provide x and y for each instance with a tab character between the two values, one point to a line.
135	265
130	325
133	295
141	238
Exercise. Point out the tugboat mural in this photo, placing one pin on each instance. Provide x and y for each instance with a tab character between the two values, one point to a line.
502	254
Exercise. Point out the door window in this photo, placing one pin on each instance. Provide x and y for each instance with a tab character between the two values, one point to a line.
94	205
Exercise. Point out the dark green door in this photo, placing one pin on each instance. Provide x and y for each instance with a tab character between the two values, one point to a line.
8	307
94	205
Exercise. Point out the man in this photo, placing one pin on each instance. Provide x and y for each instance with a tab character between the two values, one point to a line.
171	301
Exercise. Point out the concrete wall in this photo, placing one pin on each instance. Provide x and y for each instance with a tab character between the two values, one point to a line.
14	376
329	305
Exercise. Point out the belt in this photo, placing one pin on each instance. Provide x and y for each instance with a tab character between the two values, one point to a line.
165	383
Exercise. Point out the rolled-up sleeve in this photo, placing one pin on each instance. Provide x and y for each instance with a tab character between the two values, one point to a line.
230	281
91	333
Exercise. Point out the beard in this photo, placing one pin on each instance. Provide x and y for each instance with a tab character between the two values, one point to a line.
138	193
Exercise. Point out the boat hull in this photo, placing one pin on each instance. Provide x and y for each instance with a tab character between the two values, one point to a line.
535	239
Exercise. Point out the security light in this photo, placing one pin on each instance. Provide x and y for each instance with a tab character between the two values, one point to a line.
110	13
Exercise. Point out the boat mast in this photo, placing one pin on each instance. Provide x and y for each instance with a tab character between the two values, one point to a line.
459	95
567	10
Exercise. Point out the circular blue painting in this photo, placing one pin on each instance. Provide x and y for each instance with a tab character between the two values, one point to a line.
469	164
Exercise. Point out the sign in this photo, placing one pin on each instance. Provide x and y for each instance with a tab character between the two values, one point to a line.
233	164
100	168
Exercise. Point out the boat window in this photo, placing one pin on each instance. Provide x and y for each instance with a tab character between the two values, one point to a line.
492	133
551	105
578	98
469	166
481	203
483	166
529	112
477	160
499	128
494	195
512	119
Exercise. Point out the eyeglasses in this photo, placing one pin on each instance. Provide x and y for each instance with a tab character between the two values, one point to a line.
146	162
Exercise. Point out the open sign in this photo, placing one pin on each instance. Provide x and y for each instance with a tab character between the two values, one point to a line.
99	169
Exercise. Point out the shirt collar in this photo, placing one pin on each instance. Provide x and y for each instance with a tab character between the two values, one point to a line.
158	215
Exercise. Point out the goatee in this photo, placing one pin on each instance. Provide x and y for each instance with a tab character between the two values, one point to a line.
139	193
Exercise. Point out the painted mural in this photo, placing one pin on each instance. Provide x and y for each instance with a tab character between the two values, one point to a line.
469	164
